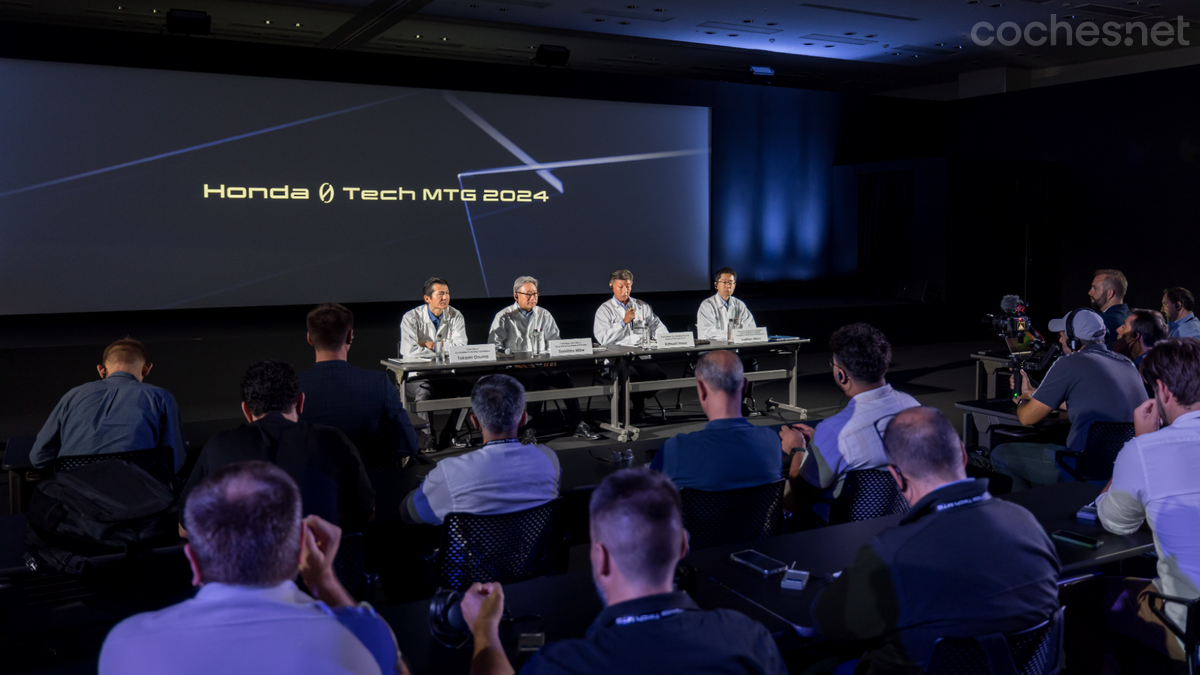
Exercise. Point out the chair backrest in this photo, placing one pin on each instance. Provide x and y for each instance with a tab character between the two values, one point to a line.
1034	651
507	547
866	494
732	516
1104	441
158	462
350	565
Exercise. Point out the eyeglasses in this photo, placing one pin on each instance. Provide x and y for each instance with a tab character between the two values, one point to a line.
528	295
727	283
881	429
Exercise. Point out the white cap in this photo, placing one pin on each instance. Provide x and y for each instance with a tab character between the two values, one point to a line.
1086	325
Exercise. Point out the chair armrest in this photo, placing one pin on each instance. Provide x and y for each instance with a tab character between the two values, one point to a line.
1162	615
16	453
1073	471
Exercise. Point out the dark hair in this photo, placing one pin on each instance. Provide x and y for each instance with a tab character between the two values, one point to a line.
1181	295
638	516
1149	325
923	443
127	351
724	270
498	401
1114	280
722	370
270	386
329	326
427	289
1176	363
243	525
862	350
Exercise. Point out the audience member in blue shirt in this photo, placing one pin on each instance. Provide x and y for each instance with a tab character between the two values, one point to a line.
1177	306
117	413
730	452
1108	299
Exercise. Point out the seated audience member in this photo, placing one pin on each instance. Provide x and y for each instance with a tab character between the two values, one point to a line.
502	476
421	329
247	543
1177	306
1095	384
646	627
513	330
323	462
848	441
1156	478
959	563
363	404
614	325
1108	298
729	452
1141	330
117	413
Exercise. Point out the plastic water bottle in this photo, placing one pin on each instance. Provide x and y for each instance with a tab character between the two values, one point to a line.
535	340
639	329
729	333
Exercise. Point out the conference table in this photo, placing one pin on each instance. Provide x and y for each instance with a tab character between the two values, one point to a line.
616	358
982	416
566	604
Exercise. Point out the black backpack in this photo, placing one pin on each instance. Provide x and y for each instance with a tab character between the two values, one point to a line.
97	509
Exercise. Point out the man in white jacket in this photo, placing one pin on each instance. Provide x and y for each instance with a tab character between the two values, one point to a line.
614	324
526	327
721	313
421	328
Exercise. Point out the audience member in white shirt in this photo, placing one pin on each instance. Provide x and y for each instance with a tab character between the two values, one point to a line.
1156	478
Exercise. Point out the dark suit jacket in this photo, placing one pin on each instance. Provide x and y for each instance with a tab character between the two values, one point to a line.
322	461
959	564
363	404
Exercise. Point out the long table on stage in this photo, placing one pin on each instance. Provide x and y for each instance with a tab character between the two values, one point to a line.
616	358
567	603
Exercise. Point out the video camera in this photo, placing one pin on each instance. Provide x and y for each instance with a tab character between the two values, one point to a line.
1028	350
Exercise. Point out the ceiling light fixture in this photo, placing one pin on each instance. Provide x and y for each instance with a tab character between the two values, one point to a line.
765	71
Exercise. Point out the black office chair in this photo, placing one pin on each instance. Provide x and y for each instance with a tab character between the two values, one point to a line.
1189	634
158	462
350	566
729	516
507	547
1104	441
866	494
1034	651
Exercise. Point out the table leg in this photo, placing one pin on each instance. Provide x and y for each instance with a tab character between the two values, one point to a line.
793	404
980	375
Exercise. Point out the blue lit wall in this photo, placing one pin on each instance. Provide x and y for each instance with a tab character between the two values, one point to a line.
773	154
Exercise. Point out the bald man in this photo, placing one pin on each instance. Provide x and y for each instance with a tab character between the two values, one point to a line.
117	413
729	452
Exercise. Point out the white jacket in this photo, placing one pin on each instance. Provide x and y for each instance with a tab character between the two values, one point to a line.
712	320
416	326
610	327
510	329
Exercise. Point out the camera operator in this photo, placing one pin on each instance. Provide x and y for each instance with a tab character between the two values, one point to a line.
1095	384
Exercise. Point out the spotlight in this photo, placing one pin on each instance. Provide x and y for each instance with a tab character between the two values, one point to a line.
762	70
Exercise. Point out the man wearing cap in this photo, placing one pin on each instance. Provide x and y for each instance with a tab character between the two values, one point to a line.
1095	384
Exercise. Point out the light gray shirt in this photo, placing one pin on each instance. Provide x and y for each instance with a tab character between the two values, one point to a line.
610	328
237	630
416	327
712	320
511	330
1157	477
848	441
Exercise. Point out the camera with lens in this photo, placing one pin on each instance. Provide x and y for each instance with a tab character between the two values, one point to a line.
1028	350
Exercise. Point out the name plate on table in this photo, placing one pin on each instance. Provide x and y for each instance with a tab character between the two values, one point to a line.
743	336
675	340
471	353
575	347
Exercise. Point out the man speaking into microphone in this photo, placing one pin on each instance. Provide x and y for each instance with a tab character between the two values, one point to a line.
614	324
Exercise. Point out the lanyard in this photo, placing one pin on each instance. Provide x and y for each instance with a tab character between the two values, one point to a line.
502	441
643	618
946	506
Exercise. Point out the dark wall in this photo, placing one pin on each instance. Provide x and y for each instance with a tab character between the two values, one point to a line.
1128	153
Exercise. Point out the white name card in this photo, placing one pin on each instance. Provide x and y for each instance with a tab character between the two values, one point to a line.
743	336
471	353
575	347
676	340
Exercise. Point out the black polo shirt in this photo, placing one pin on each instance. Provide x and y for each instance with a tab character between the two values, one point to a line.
959	564
659	634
